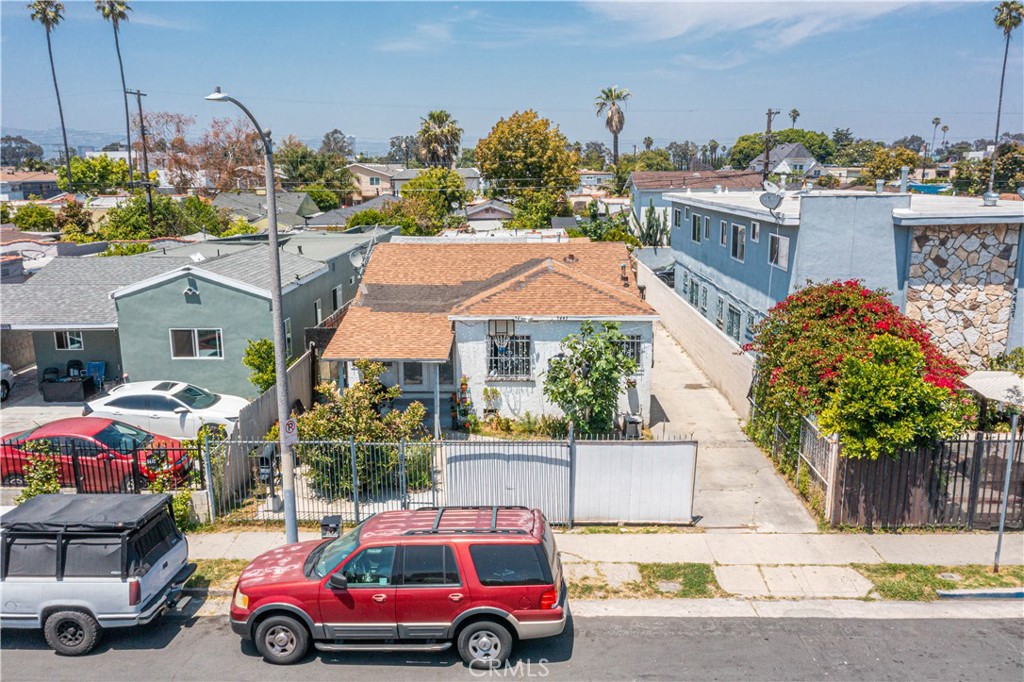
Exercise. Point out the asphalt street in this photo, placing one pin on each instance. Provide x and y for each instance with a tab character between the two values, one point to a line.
180	648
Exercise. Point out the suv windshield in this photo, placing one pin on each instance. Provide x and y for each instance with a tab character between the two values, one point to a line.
119	436
337	551
196	398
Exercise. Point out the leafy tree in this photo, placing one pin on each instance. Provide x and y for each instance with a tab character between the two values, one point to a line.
654	229
648	143
468	158
402	149
886	164
300	166
97	175
525	152
594	157
439	139
199	216
885	403
437	192
130	220
231	153
33	217
50	14
745	149
534	209
605	228
336	144
587	377
116	11
168	147
608	103
972	176
5	213
259	358
912	142
857	153
118	146
794	114
748	147
15	150
841	137
74	222
681	154
1009	15
324	198
391	213
239	226
42	471
126	249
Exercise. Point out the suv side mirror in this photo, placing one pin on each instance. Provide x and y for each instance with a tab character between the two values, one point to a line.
337	581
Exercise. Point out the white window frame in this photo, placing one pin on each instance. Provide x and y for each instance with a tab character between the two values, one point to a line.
518	355
720	313
739	242
723	232
405	379
633	346
677	217
695	228
733	331
781	254
195	342
703	300
686	213
74	342
707	227
374	181
288	335
755	231
338	295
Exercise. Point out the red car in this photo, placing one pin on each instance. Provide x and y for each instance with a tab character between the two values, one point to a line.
103	449
482	578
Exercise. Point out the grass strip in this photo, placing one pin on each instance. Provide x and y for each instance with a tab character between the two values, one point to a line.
916	582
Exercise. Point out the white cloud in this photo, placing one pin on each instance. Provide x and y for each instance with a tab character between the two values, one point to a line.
729	60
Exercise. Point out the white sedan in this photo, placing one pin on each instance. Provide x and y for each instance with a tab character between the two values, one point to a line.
167	408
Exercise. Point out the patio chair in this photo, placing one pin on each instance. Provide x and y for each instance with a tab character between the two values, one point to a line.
96	370
75	368
51	374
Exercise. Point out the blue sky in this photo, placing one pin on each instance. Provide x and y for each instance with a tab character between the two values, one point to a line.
696	70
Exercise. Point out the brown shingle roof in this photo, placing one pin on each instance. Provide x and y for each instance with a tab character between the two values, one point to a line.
409	291
732	180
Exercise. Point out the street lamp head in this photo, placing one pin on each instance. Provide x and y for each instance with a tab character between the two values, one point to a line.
217	95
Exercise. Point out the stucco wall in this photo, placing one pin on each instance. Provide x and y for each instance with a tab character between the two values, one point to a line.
718	356
962	285
145	318
520	397
98	346
16	348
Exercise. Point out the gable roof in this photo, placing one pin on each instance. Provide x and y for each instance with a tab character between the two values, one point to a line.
339	217
493	204
778	153
388	169
411	291
253	206
663	180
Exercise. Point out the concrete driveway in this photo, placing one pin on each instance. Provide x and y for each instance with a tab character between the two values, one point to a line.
26	409
737	487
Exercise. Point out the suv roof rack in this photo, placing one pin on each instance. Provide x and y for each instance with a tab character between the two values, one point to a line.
435	529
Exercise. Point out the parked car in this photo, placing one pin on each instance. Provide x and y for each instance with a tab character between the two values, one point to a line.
482	578
75	565
102	451
170	408
6	381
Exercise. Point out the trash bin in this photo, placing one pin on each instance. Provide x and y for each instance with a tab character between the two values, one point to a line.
330	526
633	424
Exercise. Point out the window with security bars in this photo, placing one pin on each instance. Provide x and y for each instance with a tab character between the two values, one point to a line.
632	346
511	361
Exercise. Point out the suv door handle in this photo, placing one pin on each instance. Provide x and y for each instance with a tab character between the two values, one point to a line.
380	598
455	597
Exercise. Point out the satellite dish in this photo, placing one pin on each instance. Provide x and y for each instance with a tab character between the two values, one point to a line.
771	187
770	200
357	258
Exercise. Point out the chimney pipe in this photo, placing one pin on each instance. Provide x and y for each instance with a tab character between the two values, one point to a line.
878	186
904	172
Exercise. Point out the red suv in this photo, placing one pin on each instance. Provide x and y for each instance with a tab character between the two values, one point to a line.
481	577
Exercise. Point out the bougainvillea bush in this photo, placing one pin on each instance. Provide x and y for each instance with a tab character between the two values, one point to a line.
815	340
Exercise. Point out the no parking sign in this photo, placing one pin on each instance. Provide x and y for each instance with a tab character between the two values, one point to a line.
291	432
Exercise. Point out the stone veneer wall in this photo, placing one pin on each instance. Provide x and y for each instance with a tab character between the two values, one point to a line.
962	288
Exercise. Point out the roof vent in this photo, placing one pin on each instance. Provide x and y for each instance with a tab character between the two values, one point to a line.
571	258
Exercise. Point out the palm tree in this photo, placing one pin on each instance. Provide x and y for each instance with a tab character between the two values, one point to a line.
1009	15
794	114
115	12
936	122
49	14
614	121
648	143
439	139
713	148
944	129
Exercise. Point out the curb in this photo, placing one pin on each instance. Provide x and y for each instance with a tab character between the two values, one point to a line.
795	608
983	593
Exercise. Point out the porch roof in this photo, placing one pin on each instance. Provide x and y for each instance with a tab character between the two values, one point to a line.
375	335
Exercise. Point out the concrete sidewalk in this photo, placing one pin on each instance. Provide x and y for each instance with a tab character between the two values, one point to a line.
710	548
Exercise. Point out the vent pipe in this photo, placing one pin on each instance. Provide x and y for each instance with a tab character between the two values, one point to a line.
904	173
878	186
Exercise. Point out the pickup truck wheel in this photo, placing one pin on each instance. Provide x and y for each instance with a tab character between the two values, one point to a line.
282	640
71	633
485	644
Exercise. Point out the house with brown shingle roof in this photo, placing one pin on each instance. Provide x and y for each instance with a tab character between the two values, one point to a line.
496	313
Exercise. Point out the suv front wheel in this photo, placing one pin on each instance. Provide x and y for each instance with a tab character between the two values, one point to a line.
485	644
71	633
281	640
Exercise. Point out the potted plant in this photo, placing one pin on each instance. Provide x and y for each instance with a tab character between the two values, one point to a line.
464	384
491	398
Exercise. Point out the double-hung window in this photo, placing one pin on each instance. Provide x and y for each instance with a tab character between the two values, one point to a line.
374	181
68	341
677	217
695	228
202	344
707	227
723	233
733	322
755	231
739	237
694	293
778	251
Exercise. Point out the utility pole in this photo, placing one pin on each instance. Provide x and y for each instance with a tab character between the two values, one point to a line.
772	113
145	158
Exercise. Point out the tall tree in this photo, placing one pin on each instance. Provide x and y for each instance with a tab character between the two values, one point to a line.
115	12
794	114
936	122
15	150
229	154
944	129
168	146
648	143
608	103
1009	15
713	149
439	138
336	143
49	14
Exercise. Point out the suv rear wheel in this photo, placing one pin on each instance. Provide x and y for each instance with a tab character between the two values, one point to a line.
281	640
71	633
485	644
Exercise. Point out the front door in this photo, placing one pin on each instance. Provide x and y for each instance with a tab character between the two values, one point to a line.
366	609
431	593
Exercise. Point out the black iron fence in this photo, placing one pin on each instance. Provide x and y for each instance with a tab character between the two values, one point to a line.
89	467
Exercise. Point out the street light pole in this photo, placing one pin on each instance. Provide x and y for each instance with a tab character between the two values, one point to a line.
280	367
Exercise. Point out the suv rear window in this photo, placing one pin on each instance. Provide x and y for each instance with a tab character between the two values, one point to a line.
151	543
32	557
92	557
514	564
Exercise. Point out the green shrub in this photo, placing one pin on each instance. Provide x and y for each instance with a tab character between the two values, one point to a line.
42	473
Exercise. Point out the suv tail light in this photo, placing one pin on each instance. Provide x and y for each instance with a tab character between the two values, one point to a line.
549	599
134	593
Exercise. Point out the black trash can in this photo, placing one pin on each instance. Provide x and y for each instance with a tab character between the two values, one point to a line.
633	426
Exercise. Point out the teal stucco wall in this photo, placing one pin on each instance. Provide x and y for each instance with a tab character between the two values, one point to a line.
98	345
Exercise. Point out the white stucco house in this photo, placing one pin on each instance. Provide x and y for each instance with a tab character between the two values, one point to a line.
496	313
